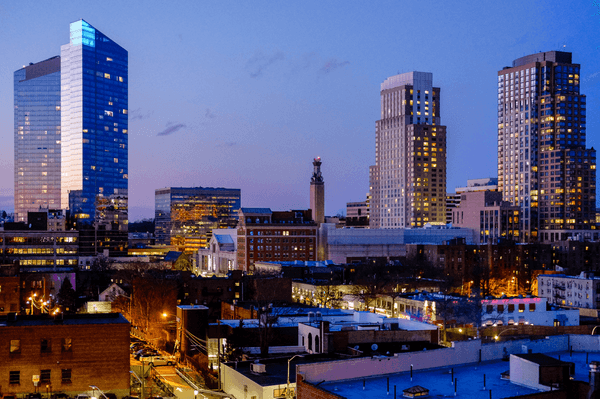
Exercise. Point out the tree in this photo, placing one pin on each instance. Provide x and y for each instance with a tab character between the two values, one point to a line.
328	296
66	295
183	263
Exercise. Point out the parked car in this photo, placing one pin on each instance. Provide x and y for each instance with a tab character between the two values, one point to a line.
145	352
136	346
160	360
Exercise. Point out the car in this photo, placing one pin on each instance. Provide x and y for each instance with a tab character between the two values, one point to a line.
136	346
145	353
160	360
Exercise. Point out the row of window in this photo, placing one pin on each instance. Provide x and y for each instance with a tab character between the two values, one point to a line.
14	377
511	308
45	345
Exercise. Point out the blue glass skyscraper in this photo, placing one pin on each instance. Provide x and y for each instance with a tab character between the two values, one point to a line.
94	104
37	137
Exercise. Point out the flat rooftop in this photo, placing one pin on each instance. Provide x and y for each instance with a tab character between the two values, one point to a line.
68	319
469	380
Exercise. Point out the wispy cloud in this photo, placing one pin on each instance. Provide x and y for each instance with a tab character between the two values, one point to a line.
592	76
209	114
333	64
137	114
171	128
257	64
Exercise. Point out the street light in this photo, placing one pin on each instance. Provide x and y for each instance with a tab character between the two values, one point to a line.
95	388
195	394
287	390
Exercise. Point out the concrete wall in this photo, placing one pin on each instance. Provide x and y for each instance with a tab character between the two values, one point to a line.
461	353
585	343
524	372
240	386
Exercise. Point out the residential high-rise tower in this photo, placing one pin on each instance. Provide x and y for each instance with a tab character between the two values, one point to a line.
94	102
37	137
408	180
544	166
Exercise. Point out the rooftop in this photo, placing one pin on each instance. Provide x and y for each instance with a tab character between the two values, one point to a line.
68	319
469	380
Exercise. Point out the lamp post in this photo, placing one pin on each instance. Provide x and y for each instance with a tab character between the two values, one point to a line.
287	390
95	388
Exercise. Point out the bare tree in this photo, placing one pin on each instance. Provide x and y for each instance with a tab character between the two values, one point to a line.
328	296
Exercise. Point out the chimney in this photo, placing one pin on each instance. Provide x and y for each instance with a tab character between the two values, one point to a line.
594	379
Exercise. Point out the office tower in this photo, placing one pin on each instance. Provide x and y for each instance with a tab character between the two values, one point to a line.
543	164
94	129
408	180
37	137
186	216
317	193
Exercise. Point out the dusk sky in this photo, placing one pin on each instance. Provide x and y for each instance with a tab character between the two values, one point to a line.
244	94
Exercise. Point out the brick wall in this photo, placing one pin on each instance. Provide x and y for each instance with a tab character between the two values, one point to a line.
99	356
305	390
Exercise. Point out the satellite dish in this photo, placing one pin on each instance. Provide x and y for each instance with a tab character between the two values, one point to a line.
374	347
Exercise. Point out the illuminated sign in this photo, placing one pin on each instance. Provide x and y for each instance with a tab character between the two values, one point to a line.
511	300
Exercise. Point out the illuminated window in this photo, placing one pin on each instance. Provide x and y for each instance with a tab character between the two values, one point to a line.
107	75
15	346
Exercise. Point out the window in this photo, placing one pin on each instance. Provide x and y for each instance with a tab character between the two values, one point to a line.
66	376
45	376
489	308
532	307
45	345
511	308
500	308
14	377
282	393
67	344
521	307
15	346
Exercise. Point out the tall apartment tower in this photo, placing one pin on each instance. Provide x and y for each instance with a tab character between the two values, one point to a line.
543	164
37	137
94	96
408	180
317	193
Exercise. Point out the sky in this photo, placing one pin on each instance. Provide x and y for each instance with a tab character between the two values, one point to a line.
244	94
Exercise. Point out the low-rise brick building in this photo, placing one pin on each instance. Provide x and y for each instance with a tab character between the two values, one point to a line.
64	355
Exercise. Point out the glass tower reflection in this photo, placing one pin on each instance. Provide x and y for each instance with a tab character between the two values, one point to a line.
37	137
94	96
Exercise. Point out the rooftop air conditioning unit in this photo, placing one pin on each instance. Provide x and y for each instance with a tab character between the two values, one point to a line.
258	368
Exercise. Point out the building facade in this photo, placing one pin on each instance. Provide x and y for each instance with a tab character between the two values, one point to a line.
221	254
491	218
52	355
544	166
581	291
37	137
357	214
94	120
186	216
40	251
264	235
408	180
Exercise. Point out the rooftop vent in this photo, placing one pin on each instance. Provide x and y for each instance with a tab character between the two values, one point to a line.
258	368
